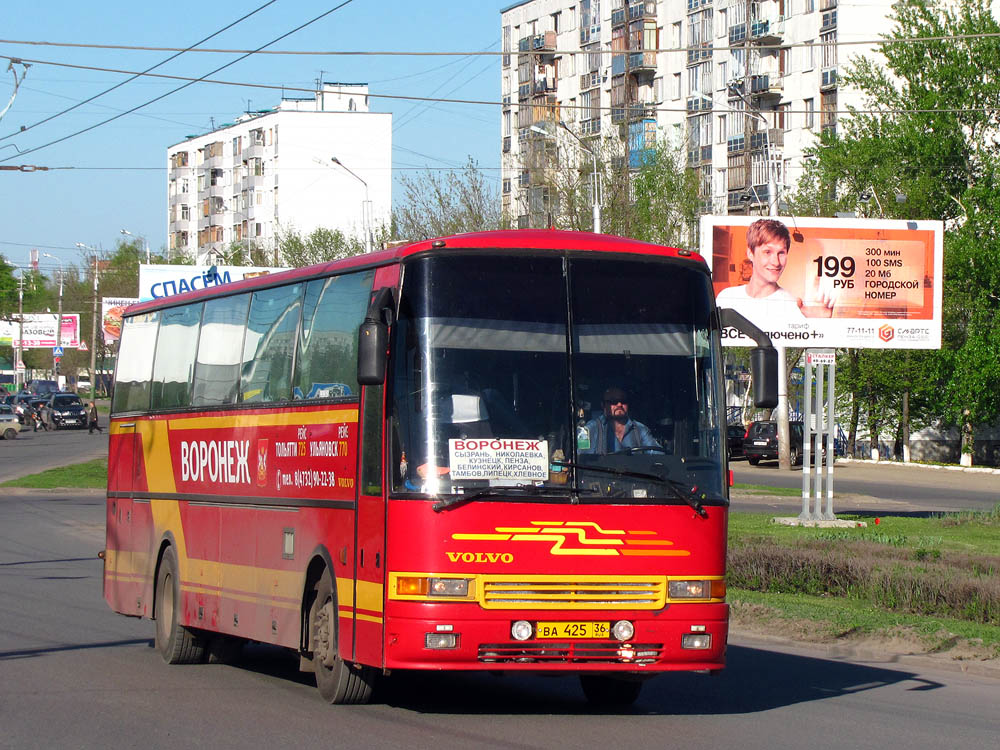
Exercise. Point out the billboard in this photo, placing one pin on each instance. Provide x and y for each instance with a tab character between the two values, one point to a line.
111	316
808	282
156	281
40	331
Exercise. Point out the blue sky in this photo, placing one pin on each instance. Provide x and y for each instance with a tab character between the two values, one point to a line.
53	210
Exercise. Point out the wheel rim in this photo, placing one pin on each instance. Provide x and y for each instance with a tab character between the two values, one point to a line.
323	635
167	604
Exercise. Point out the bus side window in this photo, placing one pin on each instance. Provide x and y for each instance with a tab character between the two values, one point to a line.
176	348
326	362
371	442
269	348
217	367
135	363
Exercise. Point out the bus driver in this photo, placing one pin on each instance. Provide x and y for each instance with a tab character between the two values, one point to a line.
615	431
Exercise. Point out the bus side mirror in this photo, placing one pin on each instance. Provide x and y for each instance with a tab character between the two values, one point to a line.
763	358
764	371
373	339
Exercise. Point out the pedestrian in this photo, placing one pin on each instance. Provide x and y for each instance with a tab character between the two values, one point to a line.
92	418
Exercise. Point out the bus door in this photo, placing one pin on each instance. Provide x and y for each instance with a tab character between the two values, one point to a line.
122	581
369	593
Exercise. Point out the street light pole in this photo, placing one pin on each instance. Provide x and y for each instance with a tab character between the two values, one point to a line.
93	329
365	207
55	364
144	242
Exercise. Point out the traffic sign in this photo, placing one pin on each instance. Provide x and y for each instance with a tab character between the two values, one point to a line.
57	351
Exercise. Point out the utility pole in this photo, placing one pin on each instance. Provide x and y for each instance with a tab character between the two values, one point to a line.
18	366
93	340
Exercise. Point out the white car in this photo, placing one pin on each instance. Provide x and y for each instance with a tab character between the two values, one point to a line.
83	386
9	424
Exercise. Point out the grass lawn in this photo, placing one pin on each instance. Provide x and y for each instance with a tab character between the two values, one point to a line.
89	475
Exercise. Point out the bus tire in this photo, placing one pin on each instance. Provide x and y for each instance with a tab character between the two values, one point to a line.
602	690
176	644
338	681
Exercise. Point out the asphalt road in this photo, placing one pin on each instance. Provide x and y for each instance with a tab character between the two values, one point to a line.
883	488
32	452
77	675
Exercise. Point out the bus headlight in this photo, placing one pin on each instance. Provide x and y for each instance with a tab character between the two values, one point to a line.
448	587
696	589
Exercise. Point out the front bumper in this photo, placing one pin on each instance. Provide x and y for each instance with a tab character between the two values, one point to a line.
487	644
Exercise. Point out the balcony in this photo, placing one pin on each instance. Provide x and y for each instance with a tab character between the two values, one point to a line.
768	31
828	81
697	54
766	86
544	43
590	81
641	10
642	62
737	33
699	155
699	103
618	16
642	111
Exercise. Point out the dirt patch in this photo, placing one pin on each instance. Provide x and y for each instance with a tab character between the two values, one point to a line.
760	620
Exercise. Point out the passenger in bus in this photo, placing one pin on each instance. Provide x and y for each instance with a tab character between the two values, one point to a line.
614	431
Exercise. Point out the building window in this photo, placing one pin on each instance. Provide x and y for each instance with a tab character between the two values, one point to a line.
557	22
810	114
677	86
810	55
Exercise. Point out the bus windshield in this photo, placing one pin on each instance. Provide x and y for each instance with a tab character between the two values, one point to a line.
587	376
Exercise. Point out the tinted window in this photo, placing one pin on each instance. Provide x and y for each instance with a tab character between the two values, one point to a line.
326	363
61	402
220	347
176	347
269	349
135	363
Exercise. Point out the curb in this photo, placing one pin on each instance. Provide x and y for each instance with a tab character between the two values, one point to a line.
914	464
847	651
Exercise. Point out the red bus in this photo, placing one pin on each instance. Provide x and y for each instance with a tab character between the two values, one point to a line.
501	451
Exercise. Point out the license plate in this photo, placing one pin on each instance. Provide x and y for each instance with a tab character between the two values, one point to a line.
760	442
573	630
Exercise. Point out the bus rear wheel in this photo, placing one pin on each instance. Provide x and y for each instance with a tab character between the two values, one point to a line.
176	644
338	681
602	690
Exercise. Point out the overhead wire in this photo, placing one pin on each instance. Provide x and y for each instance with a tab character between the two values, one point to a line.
118	85
445	100
189	81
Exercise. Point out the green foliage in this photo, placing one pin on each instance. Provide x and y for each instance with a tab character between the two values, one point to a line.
437	205
927	133
319	246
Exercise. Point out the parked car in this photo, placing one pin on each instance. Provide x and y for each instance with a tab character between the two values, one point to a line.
43	387
761	443
734	440
65	410
83	386
10	425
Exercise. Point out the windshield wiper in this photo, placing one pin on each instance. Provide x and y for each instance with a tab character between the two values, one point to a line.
678	489
500	491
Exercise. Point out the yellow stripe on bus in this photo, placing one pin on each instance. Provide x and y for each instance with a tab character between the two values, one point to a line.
279	419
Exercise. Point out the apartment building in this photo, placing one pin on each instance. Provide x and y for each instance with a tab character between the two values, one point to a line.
742	86
320	161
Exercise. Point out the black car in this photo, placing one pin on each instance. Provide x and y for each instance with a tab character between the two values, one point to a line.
734	440
65	410
761	442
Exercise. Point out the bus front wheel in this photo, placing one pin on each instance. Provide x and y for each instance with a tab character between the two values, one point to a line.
176	644
338	681
602	690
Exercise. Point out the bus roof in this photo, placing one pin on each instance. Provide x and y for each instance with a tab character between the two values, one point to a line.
527	239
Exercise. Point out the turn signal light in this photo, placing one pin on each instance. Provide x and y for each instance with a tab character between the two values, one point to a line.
411	586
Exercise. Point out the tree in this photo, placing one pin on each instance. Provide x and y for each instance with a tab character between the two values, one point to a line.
318	246
453	202
928	132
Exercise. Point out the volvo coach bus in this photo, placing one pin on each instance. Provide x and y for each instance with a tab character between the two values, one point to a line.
502	451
